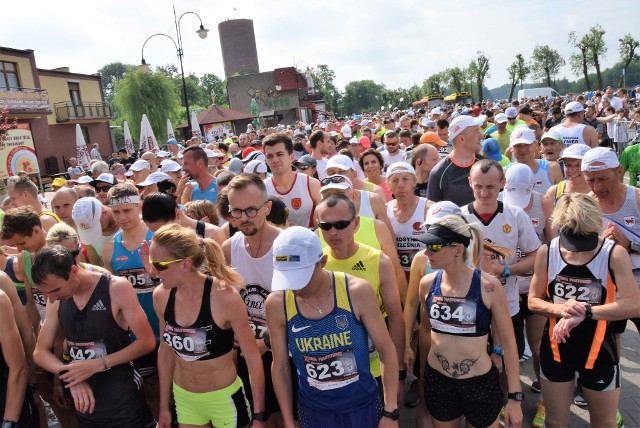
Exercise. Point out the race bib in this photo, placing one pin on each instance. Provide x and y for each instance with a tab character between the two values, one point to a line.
331	371
190	344
90	350
406	257
138	278
254	297
587	290
453	314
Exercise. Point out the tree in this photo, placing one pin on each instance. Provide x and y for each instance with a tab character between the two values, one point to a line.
512	70
434	84
628	54
214	84
546	63
111	74
479	71
360	96
150	93
579	62
455	78
523	69
597	49
323	78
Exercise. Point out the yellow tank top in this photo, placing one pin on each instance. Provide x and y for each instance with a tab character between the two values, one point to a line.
365	264
366	234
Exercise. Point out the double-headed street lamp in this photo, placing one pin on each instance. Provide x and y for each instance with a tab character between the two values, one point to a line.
202	32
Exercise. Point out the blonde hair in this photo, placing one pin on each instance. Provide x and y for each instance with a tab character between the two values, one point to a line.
183	243
471	230
578	214
61	232
202	208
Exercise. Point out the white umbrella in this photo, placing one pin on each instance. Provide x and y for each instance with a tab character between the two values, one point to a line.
149	142
128	141
82	153
170	133
195	125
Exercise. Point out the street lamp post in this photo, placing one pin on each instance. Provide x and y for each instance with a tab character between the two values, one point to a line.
202	33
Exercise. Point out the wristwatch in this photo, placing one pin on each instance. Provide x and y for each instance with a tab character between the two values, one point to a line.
9	424
261	416
588	312
394	415
516	396
634	247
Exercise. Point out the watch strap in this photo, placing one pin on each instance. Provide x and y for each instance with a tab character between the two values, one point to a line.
516	396
393	415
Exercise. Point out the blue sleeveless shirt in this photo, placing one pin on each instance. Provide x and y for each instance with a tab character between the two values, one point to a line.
209	194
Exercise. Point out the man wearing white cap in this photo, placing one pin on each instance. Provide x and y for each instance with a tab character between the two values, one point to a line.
172	169
448	180
505	225
320	143
150	184
573	131
325	320
102	184
571	159
406	212
524	149
256	167
139	170
551	146
338	222
298	191
501	134
95	225
512	118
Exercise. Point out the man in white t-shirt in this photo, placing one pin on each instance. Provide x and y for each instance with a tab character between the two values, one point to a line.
392	154
319	143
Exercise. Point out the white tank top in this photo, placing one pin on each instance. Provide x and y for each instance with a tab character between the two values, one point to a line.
627	220
365	204
405	233
298	199
257	274
572	135
538	221
541	178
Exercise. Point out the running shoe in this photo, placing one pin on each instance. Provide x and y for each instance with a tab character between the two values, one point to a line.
412	397
538	420
619	420
578	398
535	386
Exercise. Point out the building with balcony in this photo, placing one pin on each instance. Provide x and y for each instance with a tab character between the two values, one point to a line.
51	103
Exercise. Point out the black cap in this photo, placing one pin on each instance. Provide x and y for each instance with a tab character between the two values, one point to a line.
574	242
439	234
525	109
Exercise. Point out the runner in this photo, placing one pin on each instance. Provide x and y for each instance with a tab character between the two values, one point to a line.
372	163
460	379
62	204
95	313
348	256
23	192
195	168
122	257
249	253
572	130
393	152
95	225
571	158
575	282
342	164
299	192
325	319
200	370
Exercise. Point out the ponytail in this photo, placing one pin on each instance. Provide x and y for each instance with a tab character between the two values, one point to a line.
217	265
477	240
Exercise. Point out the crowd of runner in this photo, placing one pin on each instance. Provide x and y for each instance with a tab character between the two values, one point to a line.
326	274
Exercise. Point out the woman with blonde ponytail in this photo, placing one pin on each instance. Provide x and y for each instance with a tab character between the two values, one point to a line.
459	303
199	317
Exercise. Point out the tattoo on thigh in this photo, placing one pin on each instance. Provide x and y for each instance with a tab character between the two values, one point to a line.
456	369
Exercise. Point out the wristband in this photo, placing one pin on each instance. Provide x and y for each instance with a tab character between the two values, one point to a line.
402	375
9	424
507	271
261	416
267	340
104	363
588	312
497	350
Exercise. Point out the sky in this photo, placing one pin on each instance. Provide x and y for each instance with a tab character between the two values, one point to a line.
396	43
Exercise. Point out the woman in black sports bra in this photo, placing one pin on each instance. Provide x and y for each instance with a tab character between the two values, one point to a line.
199	316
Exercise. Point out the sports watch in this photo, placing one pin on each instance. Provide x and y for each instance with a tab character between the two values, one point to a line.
394	415
634	247
516	396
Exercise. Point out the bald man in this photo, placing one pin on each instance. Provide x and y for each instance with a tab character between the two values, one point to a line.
151	158
62	204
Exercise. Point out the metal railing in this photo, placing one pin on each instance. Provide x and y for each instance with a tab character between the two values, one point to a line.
67	110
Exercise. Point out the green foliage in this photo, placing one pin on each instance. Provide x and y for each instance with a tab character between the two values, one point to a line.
214	84
628	52
478	71
455	79
596	49
150	93
323	78
434	84
361	96
546	63
111	74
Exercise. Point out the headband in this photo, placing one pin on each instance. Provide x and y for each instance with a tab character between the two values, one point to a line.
124	200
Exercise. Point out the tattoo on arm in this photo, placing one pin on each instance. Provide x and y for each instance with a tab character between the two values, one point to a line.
456	369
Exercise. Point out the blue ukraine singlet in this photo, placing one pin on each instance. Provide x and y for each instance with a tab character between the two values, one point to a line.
127	264
331	354
208	194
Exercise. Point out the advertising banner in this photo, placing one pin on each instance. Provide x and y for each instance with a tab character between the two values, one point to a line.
17	152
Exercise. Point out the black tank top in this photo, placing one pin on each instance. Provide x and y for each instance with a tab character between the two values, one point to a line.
203	340
92	333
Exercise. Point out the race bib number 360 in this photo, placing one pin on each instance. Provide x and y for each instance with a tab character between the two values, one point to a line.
90	350
331	371
453	314
587	290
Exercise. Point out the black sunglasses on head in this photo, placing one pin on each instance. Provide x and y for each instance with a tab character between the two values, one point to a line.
333	179
302	167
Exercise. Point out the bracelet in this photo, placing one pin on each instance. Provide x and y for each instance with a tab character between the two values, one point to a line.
267	339
104	363
402	375
497	350
261	416
9	424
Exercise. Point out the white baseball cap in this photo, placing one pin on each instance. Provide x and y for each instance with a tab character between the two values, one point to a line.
511	112
86	215
256	166
346	131
84	179
574	151
163	154
439	210
296	251
213	153
337	181
518	186
399	168
604	156
573	107
105	177
154	178
168	165
501	118
522	135
436	111
462	122
254	155
342	162
138	165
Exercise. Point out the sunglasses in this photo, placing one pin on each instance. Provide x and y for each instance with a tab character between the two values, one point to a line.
160	266
329	180
302	167
434	248
339	225
104	189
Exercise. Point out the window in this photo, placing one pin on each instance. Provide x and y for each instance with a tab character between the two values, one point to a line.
9	76
74	93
